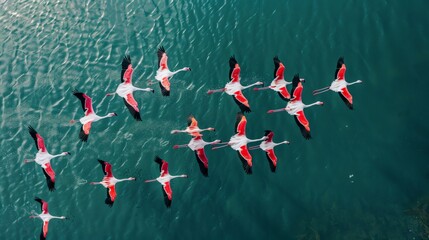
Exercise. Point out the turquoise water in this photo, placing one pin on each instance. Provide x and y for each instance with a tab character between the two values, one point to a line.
354	180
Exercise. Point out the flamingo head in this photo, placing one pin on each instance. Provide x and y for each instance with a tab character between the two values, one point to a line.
302	80
63	217
66	153
112	114
359	81
184	176
212	129
319	103
187	69
132	179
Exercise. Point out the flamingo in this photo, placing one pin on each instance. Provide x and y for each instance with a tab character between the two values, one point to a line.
90	115
164	179
43	158
109	182
340	85
197	145
239	142
45	217
268	147
163	73
193	128
125	89
279	83
295	107
234	87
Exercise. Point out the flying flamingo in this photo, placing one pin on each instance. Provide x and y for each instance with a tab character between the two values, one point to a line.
109	182
197	145
268	147
192	128
239	142
125	89
43	158
279	83
234	87
90	115
295	107
45	217
163	73
164	179
340	85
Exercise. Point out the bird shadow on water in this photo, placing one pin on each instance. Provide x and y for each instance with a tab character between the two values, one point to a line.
420	212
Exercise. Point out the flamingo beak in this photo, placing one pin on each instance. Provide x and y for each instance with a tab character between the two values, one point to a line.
114	114
68	153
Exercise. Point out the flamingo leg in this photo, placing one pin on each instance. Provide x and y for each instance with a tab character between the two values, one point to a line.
322	90
254	147
214	148
216	90
152	180
180	146
262	88
276	110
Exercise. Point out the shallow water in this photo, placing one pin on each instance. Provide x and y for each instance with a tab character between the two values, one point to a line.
354	180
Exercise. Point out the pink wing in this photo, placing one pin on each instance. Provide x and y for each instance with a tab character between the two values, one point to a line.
45	229
246	159
272	159
164	168
235	75
50	176
284	94
132	102
298	92
280	71
128	75
241	101
168	194
112	193
341	72
40	143
240	124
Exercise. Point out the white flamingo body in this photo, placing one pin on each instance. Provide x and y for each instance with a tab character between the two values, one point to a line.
268	145
199	143
338	85
43	158
293	107
124	89
277	84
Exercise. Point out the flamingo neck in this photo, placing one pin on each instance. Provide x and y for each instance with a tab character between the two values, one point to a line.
316	103
180	70
256	140
284	142
142	89
251	85
178	176
358	81
125	179
62	217
59	155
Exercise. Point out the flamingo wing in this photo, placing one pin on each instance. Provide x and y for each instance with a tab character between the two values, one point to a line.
272	159
162	58
43	204
269	134
168	194
340	64
241	101
279	68
84	131
86	102
132	106
111	195
203	162
240	124
106	167
127	69
192	122
246	159
296	88
284	94
303	124
346	97
163	166
165	87
234	70
40	143
44	232
50	176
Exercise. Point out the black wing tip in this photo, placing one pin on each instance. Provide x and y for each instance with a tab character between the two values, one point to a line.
267	132
276	59
37	199
161	49
42	237
248	170
167	203
341	59
31	129
126	60
108	202
83	137
137	116
101	161
158	160
306	135
164	91
232	61
76	92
